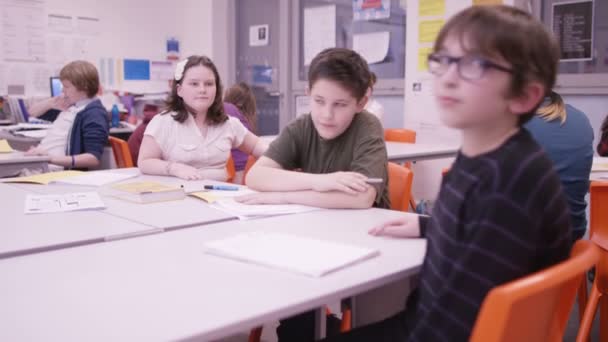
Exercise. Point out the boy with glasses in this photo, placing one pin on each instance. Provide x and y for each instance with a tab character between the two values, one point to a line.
500	214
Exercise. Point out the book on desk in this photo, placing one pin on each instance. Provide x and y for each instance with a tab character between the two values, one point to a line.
145	192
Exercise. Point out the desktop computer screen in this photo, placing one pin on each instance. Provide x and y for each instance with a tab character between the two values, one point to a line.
56	86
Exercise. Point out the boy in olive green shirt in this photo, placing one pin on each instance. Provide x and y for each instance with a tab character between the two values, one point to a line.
336	148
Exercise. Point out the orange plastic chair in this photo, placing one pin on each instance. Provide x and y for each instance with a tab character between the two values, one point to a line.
405	136
400	180
598	232
535	307
250	161
400	135
122	154
231	169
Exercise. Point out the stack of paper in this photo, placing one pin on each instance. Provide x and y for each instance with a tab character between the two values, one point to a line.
250	211
36	204
289	252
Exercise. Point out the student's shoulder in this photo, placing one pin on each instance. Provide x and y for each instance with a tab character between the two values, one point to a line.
367	124
166	117
521	165
300	125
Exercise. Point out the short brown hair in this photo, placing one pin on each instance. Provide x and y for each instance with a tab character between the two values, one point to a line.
215	113
343	66
511	34
83	75
243	98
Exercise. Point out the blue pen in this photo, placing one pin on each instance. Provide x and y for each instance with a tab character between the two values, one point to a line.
222	187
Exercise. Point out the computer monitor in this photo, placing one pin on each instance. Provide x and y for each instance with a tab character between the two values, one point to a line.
56	86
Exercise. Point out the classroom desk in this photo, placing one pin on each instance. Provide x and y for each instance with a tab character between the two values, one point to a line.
18	142
12	163
163	287
405	152
168	215
22	234
599	163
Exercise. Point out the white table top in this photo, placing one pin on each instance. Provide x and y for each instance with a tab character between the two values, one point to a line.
20	158
599	163
163	287
23	234
404	152
166	215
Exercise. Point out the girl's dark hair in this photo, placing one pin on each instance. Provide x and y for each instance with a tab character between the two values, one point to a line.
243	98
343	66
215	113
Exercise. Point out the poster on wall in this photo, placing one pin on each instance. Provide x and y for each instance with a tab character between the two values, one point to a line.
572	24
23	27
172	49
258	35
371	9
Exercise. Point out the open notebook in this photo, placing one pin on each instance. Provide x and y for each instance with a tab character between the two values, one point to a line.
297	254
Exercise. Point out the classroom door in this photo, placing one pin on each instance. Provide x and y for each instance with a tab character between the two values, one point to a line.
261	32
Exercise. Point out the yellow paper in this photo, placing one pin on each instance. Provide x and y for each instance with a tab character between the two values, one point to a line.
431	7
487	2
428	30
45	178
5	147
143	187
423	54
205	196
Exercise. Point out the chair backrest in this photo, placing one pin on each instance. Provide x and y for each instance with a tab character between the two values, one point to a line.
400	181
231	169
598	213
250	161
535	307
122	154
400	135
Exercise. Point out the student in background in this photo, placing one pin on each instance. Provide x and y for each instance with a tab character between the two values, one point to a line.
602	146
137	136
335	148
500	214
566	135
77	137
193	138
372	105
241	96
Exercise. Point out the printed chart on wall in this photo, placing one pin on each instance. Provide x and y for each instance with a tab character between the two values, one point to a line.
421	112
572	24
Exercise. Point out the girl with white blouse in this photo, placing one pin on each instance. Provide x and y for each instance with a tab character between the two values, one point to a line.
192	139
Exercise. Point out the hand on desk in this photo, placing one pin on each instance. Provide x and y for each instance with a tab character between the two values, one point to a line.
405	227
348	182
262	198
36	151
184	171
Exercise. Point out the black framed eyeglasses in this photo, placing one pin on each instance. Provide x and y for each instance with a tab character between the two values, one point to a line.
470	67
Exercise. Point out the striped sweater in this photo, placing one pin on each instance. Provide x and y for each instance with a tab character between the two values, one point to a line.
499	216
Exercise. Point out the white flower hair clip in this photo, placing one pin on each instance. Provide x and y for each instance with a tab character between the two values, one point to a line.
179	69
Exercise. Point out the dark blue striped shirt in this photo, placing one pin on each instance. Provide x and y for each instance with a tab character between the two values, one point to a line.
499	216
